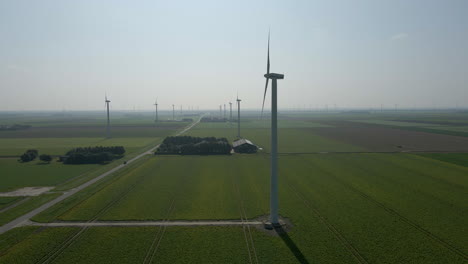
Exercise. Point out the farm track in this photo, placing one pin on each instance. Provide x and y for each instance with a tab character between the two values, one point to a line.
245	226
158	236
329	226
146	223
153	249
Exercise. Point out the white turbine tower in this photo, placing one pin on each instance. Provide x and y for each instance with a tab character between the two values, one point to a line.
173	113
156	113
106	101
230	112
224	112
238	117
274	138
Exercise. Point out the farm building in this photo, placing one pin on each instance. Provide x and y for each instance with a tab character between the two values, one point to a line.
244	146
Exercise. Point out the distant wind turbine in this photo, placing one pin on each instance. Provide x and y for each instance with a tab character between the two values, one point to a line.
274	138
106	101
238	116
230	112
173	112
156	113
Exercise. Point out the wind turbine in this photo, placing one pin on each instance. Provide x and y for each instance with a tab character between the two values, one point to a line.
238	116
274	138
230	112
106	102
173	113
224	112
156	113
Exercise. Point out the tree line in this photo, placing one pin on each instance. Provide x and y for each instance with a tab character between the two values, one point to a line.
32	154
93	155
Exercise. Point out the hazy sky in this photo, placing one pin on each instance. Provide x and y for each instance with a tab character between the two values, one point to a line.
63	54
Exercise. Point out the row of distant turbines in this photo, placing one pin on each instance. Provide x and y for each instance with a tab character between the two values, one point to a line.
274	218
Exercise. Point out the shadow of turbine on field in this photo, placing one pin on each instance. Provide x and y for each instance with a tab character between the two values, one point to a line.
291	245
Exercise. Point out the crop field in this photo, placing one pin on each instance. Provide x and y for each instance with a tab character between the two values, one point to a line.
350	198
388	208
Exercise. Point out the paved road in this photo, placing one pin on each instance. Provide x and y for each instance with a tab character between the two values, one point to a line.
22	219
146	223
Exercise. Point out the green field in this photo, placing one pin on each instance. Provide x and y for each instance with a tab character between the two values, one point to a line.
400	202
294	136
346	207
35	173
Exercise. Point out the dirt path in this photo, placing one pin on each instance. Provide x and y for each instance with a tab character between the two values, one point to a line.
22	219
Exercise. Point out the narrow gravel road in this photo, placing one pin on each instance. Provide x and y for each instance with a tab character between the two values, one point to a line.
146	223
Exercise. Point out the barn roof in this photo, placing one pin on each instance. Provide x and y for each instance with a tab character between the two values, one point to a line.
242	141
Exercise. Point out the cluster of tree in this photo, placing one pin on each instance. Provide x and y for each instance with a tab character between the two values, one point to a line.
93	155
116	150
187	145
45	158
13	127
29	155
213	119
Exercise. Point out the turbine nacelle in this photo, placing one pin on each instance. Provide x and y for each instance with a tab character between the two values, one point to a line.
277	76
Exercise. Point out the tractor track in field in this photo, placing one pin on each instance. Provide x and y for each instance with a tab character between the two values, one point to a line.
245	226
25	199
153	249
51	256
435	238
330	227
159	236
407	221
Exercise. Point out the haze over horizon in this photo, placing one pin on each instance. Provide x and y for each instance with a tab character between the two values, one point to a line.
66	55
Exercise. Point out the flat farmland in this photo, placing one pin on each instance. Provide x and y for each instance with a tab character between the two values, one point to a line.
294	136
382	139
353	206
16	175
345	208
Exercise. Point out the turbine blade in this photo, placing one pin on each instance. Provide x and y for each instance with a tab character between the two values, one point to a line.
264	96
268	72
268	54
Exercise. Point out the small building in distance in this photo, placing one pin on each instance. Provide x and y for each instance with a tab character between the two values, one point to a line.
244	146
